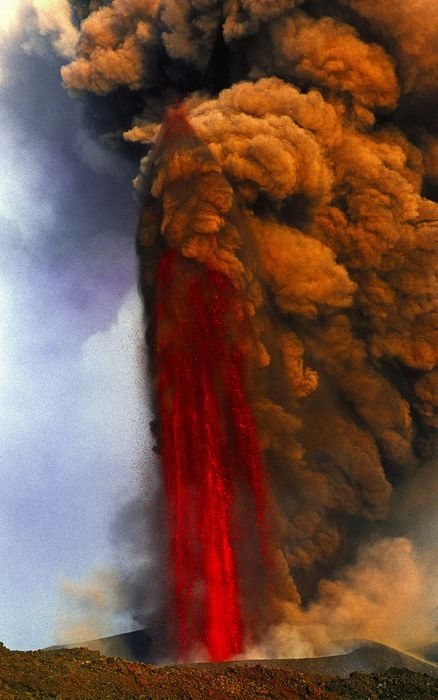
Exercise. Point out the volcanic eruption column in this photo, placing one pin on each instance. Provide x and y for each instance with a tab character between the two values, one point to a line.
208	438
288	248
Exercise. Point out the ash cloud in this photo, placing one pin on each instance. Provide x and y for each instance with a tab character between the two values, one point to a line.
310	168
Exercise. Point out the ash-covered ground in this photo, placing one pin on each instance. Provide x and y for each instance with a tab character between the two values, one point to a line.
83	674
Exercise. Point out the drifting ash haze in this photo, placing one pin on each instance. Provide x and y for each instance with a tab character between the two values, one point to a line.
299	171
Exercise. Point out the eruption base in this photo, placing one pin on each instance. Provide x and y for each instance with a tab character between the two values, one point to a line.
209	450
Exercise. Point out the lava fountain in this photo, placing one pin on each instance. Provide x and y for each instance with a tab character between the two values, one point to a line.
209	447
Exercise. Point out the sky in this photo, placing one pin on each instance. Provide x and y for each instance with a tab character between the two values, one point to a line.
74	423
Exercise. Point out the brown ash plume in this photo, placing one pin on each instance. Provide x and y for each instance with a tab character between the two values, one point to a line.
315	164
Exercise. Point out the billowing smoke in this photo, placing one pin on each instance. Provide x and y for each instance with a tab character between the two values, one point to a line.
309	182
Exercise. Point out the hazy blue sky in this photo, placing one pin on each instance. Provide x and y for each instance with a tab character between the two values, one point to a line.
72	416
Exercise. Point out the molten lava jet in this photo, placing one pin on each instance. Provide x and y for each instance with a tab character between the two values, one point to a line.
209	446
213	473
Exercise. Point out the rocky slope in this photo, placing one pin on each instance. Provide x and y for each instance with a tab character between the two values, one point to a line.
83	674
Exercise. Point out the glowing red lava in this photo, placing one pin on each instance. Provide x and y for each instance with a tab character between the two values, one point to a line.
209	448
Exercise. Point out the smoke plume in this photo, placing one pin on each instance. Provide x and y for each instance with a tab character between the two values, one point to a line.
302	166
88	607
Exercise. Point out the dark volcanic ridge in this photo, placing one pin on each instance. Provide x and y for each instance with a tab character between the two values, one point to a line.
428	652
364	656
369	657
138	645
83	674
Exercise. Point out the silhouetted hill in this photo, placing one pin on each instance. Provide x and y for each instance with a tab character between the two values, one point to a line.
428	651
365	656
138	645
